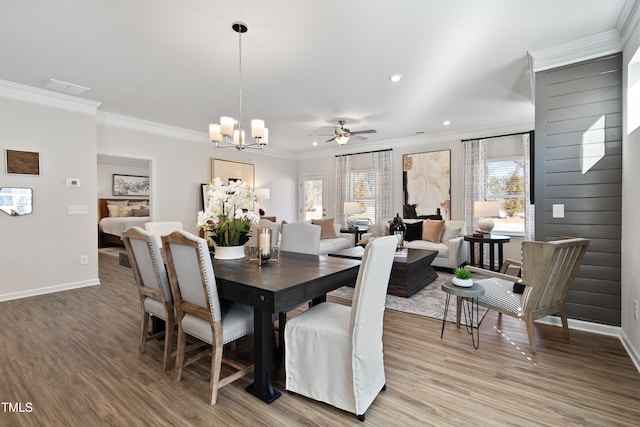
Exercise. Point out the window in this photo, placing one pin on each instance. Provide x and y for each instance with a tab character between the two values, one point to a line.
505	184
363	190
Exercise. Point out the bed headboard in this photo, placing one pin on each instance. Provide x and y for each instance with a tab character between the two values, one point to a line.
103	211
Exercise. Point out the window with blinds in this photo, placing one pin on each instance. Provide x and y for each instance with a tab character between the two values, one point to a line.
505	184
363	191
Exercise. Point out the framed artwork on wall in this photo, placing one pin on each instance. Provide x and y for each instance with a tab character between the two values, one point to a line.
130	185
22	162
426	182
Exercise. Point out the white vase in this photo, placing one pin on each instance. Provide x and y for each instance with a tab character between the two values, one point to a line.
463	283
229	252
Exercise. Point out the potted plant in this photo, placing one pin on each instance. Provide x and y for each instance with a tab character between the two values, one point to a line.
462	278
225	217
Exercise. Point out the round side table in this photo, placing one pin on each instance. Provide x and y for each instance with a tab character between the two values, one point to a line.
466	301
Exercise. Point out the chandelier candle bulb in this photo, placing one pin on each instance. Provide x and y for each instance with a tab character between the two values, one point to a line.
265	137
214	133
226	126
257	128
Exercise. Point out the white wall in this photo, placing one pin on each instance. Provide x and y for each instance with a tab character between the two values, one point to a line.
630	208
41	252
179	165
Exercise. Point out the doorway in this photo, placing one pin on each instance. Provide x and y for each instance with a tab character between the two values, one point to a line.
313	197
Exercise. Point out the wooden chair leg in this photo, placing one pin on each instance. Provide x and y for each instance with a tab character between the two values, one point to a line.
144	331
216	367
532	335
168	342
182	339
565	323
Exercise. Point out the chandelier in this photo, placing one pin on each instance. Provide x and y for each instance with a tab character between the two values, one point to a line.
225	131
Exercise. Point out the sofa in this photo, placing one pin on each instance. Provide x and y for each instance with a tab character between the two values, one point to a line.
452	251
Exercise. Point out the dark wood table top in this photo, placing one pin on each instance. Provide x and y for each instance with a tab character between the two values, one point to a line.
489	238
278	286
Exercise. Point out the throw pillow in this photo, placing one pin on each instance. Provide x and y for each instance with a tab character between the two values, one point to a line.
118	202
125	211
113	210
432	230
141	212
414	231
450	232
327	230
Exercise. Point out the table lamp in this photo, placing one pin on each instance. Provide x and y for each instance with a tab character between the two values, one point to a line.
350	209
486	210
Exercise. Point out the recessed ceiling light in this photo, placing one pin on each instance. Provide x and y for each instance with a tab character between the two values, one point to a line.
315	143
395	78
446	123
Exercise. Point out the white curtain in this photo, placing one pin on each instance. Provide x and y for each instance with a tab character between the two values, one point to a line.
529	209
475	169
343	170
383	164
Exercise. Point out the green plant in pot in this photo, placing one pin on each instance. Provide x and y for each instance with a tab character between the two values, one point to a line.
462	278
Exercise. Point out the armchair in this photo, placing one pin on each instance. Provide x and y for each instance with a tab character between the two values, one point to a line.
548	270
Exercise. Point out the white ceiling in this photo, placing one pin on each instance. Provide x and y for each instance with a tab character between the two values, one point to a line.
306	64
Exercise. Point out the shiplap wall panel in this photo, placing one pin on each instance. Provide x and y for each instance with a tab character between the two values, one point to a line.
578	158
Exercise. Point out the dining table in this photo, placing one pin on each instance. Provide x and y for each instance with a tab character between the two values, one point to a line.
277	287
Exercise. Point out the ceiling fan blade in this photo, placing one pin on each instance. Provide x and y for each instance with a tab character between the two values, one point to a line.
359	138
363	131
329	140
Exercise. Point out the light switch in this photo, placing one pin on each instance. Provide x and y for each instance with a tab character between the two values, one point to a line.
77	209
558	211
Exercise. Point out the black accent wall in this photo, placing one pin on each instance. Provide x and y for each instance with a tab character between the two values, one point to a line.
578	162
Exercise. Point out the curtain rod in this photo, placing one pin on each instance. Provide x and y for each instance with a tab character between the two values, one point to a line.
497	136
364	152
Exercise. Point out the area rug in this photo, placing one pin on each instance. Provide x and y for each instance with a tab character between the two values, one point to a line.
428	302
111	251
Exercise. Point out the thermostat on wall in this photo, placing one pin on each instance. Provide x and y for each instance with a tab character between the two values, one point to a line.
73	182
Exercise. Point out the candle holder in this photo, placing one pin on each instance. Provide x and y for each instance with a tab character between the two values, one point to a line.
264	251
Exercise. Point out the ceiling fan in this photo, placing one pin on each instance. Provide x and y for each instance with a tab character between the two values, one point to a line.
343	134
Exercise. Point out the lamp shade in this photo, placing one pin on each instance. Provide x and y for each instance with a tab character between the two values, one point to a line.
486	209
351	208
263	193
342	139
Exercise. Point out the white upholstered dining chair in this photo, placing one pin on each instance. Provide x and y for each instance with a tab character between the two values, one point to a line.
199	311
334	352
153	287
301	237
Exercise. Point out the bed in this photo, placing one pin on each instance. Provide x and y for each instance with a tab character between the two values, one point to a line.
110	227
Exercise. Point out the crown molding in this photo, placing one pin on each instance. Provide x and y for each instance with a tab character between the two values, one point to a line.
146	126
574	51
48	98
628	20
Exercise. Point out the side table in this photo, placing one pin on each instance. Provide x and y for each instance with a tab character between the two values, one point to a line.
493	240
466	301
357	233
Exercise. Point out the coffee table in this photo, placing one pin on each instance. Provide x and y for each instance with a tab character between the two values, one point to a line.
411	270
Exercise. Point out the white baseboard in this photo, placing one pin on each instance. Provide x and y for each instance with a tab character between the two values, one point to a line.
598	328
48	290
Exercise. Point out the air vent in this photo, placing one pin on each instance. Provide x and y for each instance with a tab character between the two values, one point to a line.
64	87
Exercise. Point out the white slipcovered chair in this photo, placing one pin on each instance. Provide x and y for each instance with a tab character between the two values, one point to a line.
199	312
301	237
334	352
153	287
162	228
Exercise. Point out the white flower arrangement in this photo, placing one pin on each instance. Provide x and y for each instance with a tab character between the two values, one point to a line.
224	214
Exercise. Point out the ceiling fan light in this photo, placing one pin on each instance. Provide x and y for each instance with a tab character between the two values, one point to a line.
226	125
214	133
342	139
257	128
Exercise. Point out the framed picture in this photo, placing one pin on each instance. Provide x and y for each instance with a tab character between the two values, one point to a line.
22	162
426	181
130	185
